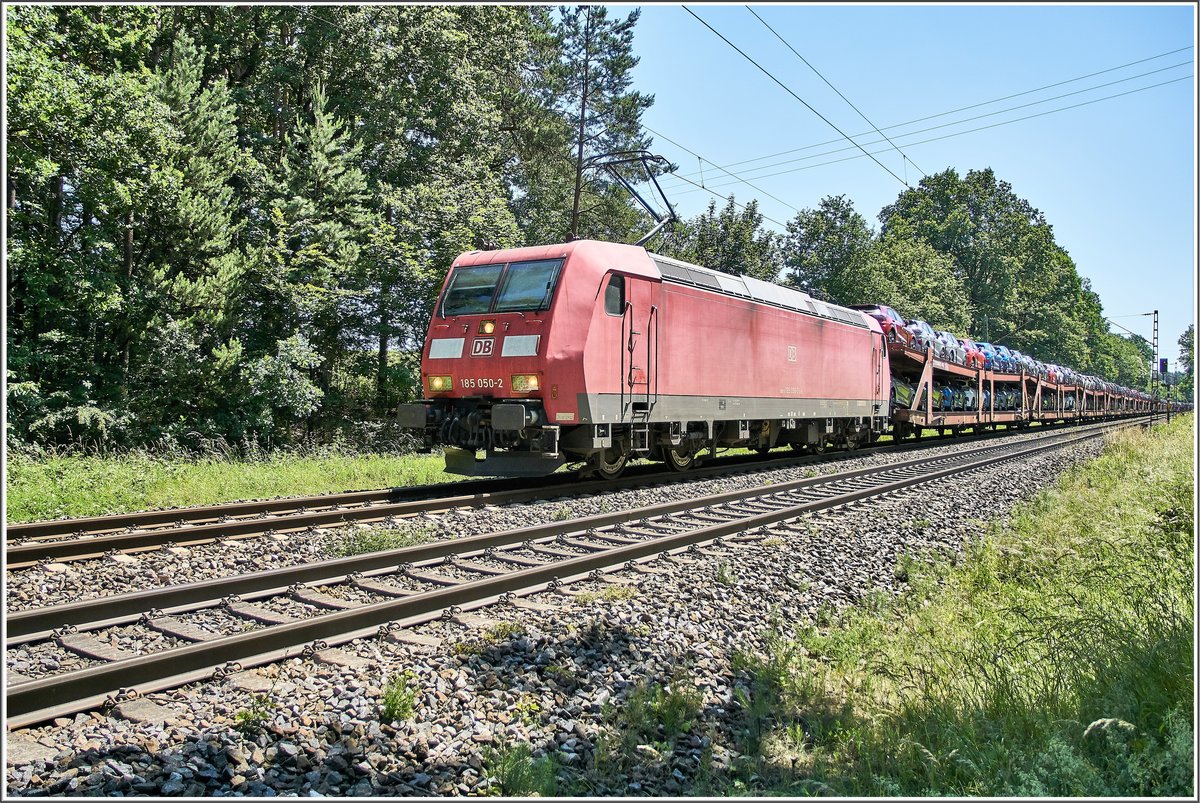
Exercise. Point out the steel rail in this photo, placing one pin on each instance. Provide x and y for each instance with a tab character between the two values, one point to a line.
37	700
487	492
33	624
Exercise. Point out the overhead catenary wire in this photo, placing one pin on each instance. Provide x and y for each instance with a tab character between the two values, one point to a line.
728	198
903	155
987	103
714	164
946	125
793	94
956	133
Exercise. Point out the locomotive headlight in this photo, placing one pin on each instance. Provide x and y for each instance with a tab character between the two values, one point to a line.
440	384
487	327
524	383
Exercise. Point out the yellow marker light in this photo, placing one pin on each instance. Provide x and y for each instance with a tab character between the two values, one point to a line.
487	327
440	384
524	383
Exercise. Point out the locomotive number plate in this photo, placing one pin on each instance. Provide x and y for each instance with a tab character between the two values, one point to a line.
469	384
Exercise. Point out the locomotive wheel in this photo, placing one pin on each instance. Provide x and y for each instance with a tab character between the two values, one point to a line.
679	461
611	463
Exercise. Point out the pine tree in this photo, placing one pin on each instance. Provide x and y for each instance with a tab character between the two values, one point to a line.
322	223
596	69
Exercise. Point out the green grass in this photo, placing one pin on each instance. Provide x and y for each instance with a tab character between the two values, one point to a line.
50	487
1054	659
399	697
647	723
361	541
611	593
490	637
514	772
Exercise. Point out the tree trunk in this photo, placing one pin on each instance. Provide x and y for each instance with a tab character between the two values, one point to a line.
382	364
128	293
385	287
583	104
56	206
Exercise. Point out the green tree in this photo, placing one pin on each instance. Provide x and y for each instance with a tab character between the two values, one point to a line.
913	279
1187	348
596	73
313	277
1023	289
1187	361
194	263
732	241
824	248
86	135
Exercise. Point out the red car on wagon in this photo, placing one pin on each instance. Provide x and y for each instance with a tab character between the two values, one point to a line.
974	353
892	322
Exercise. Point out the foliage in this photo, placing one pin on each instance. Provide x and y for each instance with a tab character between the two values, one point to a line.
1054	659
514	772
255	717
615	592
833	252
493	635
651	718
361	541
732	241
824	247
218	227
399	696
1187	348
1187	361
1022	288
913	277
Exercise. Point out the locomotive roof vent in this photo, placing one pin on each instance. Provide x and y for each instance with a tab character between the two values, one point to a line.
674	270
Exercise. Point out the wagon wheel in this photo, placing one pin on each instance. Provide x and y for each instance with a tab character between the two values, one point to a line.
678	460
818	447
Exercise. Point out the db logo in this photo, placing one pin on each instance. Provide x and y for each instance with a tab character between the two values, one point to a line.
483	347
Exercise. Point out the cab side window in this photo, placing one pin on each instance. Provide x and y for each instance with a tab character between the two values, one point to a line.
614	295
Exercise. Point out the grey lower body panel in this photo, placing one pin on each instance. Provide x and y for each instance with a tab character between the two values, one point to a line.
612	408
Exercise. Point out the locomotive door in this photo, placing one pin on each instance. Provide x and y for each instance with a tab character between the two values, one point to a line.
636	345
877	354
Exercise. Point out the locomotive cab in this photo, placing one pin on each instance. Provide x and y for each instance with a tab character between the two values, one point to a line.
484	367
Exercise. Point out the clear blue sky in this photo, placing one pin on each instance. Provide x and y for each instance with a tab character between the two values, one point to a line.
1116	179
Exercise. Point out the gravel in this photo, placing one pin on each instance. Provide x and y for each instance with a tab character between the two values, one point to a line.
553	684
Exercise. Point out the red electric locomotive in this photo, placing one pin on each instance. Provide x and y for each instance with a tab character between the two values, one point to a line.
595	352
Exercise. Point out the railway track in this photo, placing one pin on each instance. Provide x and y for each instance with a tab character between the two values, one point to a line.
378	593
78	539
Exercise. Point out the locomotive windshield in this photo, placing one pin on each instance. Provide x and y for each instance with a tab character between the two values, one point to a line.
523	287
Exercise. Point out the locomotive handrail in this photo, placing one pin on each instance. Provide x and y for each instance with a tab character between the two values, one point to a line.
627	312
652	317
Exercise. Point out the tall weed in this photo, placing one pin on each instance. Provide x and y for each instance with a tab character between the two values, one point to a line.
1053	659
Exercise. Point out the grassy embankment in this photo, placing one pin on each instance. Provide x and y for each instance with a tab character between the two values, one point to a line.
1055	658
80	485
52	486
